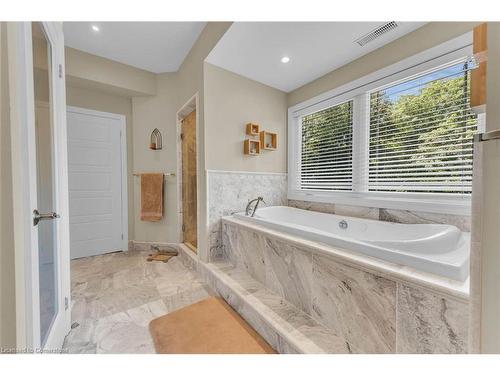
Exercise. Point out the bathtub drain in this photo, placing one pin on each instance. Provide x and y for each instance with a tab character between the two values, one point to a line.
343	224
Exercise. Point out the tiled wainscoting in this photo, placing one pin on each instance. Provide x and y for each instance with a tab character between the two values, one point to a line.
396	216
229	192
372	306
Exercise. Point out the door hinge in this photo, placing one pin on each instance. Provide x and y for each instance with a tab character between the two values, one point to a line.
66	303
122	236
60	71
182	136
183	227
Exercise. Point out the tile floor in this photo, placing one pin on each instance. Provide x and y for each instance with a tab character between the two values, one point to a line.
115	296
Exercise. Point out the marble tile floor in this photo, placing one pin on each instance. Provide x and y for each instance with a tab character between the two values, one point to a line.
115	296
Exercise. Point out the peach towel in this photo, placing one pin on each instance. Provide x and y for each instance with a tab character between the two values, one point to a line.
151	196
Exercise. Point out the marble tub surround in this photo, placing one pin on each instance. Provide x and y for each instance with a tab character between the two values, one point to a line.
230	191
286	328
430	324
241	258
355	296
289	273
462	222
358	305
115	296
327	208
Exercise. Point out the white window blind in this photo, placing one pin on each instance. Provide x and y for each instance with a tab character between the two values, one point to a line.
326	149
421	134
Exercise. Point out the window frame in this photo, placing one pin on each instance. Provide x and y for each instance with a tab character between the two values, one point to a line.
449	53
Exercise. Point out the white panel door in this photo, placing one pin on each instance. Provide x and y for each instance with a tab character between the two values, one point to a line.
96	196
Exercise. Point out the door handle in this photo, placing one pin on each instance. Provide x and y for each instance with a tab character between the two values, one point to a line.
37	216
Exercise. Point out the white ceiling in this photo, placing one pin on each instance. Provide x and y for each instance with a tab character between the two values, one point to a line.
154	46
254	49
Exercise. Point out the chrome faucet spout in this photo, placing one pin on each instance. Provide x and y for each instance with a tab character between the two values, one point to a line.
249	211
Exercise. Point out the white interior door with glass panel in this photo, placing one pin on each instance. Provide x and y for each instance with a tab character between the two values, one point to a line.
47	285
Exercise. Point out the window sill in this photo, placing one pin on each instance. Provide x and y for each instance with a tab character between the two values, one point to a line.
435	203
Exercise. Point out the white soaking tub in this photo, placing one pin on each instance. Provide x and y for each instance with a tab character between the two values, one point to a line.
435	248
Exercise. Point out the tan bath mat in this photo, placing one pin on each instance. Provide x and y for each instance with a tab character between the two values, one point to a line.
162	256
210	326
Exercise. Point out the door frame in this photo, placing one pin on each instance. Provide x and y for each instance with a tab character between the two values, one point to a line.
124	171
191	105
25	183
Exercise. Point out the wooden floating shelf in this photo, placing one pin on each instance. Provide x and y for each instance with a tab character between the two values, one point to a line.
251	147
268	141
253	129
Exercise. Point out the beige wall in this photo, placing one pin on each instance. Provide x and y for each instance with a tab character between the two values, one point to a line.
173	91
190	82
98	73
417	41
231	101
7	264
149	113
105	85
87	69
490	214
99	100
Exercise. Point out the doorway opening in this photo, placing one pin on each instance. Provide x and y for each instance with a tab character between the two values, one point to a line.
187	123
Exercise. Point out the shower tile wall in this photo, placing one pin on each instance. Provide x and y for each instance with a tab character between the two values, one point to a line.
395	216
229	192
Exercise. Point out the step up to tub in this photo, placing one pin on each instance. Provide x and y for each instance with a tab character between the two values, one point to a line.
286	328
210	326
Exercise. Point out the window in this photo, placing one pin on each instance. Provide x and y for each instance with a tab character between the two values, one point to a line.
326	149
403	139
421	134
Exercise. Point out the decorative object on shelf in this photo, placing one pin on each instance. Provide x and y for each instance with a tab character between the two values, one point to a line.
155	142
268	140
253	129
251	147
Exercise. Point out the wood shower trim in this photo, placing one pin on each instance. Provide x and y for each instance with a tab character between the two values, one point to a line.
190	105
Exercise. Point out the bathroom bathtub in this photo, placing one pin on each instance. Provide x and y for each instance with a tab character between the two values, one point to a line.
435	248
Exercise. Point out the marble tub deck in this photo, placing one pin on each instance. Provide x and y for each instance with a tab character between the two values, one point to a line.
115	296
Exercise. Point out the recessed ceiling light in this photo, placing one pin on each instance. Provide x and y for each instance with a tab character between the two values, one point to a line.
285	59
95	28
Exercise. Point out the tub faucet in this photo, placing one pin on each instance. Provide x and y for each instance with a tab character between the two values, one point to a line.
249	211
